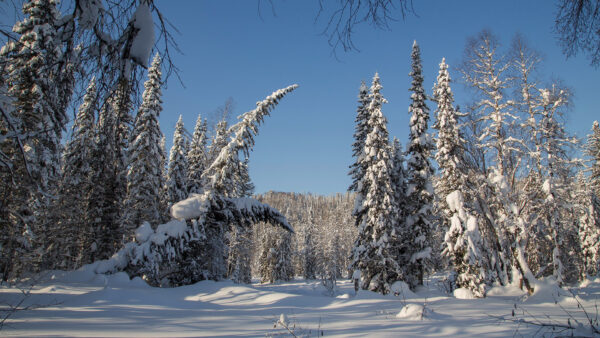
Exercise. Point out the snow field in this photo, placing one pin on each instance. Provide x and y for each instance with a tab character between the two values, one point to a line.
81	303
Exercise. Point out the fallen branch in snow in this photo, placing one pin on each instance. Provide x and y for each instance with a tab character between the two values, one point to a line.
9	309
292	329
589	326
283	321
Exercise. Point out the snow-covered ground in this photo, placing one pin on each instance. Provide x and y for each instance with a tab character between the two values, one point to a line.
81	303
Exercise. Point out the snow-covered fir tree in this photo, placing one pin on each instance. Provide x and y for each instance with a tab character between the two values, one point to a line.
588	213
164	197
144	178
240	254
105	204
197	157
449	141
74	228
275	259
36	81
419	177
376	252
240	237
309	255
555	145
122	107
462	238
360	135
176	182
593	151
109	173
399	176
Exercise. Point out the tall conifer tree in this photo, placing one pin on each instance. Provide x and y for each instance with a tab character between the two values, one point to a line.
144	178
177	173
419	172
197	157
374	252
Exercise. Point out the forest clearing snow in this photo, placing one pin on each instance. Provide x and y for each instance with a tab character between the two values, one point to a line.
82	303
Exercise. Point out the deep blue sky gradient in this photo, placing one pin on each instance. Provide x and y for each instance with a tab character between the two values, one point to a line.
229	50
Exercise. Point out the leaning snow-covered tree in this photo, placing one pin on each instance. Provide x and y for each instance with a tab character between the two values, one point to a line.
191	248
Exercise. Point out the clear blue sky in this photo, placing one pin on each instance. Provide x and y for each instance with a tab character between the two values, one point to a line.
305	146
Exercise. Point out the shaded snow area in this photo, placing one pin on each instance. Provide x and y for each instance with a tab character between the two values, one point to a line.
82	303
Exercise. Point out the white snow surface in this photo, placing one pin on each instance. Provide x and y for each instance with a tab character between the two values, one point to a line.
83	303
143	42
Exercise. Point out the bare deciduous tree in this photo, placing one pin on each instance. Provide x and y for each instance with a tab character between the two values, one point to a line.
578	26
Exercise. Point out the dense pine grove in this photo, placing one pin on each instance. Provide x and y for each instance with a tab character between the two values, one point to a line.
495	193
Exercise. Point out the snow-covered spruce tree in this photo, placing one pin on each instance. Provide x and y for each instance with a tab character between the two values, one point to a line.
419	178
176	182
240	254
376	252
109	174
239	238
588	205
184	252
357	172
360	135
309	249
593	151
36	81
105	204
554	146
275	258
163	198
73	225
122	107
462	239
399	176
197	157
144	178
449	141
588	213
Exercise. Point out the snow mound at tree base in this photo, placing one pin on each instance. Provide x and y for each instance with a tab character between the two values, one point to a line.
413	312
463	293
547	291
401	289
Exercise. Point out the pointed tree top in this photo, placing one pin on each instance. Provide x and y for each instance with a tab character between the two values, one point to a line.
156	61
363	86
